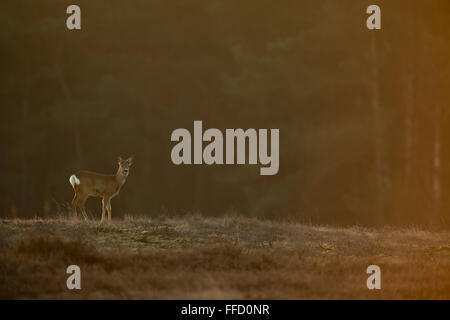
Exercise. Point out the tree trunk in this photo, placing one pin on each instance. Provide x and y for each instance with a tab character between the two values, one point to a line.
410	104
378	132
437	165
68	96
408	130
24	201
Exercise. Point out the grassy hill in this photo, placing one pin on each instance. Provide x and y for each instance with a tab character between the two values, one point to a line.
219	258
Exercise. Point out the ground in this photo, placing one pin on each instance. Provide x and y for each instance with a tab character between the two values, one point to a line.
194	257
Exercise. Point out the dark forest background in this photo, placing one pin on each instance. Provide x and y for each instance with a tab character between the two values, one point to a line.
363	114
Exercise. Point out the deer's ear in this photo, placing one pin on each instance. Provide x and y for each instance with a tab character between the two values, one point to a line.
119	159
130	160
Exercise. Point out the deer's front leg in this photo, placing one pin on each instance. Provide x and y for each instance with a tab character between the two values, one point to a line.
108	206
103	209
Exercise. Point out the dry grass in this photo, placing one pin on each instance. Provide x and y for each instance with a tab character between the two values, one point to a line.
218	258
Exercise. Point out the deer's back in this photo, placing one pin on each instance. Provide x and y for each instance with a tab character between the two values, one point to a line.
97	184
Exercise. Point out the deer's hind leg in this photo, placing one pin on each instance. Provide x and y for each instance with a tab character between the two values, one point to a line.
81	203
74	205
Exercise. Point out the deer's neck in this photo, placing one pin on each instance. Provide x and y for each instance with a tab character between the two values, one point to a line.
120	179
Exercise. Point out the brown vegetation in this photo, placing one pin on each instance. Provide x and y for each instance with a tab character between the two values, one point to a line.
221	258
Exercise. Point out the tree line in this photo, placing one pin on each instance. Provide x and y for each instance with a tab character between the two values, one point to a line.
362	114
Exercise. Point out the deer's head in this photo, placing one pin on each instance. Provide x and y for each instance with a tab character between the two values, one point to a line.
124	166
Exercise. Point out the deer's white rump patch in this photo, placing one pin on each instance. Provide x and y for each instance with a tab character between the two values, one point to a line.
74	180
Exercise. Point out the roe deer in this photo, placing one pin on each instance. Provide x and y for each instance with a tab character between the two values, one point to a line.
106	186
